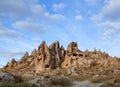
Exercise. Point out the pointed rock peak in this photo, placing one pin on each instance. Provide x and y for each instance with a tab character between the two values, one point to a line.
7	64
54	45
34	52
26	54
73	45
72	48
99	50
43	42
13	60
86	50
62	48
24	58
57	42
95	50
43	48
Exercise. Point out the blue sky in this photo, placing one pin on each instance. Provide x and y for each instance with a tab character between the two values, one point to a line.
24	24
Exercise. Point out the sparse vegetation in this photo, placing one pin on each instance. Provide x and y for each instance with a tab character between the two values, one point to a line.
101	79
114	83
63	82
108	84
18	79
23	84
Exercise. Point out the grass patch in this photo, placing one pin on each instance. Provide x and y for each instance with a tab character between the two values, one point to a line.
81	77
101	79
18	79
110	85
114	83
110	77
63	82
24	84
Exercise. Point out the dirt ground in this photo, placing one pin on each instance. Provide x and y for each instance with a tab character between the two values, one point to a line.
86	84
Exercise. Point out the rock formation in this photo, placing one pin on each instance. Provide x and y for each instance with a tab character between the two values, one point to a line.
6	77
51	57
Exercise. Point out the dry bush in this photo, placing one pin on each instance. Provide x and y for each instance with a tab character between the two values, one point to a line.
23	84
115	82
63	82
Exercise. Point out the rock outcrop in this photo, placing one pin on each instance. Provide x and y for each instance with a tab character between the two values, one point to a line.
6	77
55	56
49	57
24	58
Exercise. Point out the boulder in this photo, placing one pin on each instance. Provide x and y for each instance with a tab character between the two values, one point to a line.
6	77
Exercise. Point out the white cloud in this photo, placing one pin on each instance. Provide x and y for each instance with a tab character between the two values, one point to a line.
91	2
53	16
38	11
110	11
16	52
38	18
7	33
79	17
7	55
30	26
57	7
13	8
108	22
108	19
110	28
36	38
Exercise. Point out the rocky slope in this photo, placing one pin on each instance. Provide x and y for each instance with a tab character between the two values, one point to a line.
55	57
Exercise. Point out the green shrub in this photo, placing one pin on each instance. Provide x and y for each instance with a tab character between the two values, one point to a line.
64	82
18	79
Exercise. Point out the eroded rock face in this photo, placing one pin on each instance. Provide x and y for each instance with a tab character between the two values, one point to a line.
12	64
72	48
49	57
24	58
43	59
55	56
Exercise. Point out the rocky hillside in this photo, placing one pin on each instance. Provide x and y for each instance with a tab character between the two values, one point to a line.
55	57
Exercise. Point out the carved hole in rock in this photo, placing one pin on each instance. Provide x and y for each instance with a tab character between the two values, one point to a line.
46	66
80	54
66	64
39	59
0	79
86	55
74	54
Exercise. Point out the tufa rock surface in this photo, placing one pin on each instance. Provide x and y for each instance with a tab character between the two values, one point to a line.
55	57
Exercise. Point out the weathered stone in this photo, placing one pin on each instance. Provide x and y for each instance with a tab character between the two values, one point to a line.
24	58
44	58
72	48
55	56
6	77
